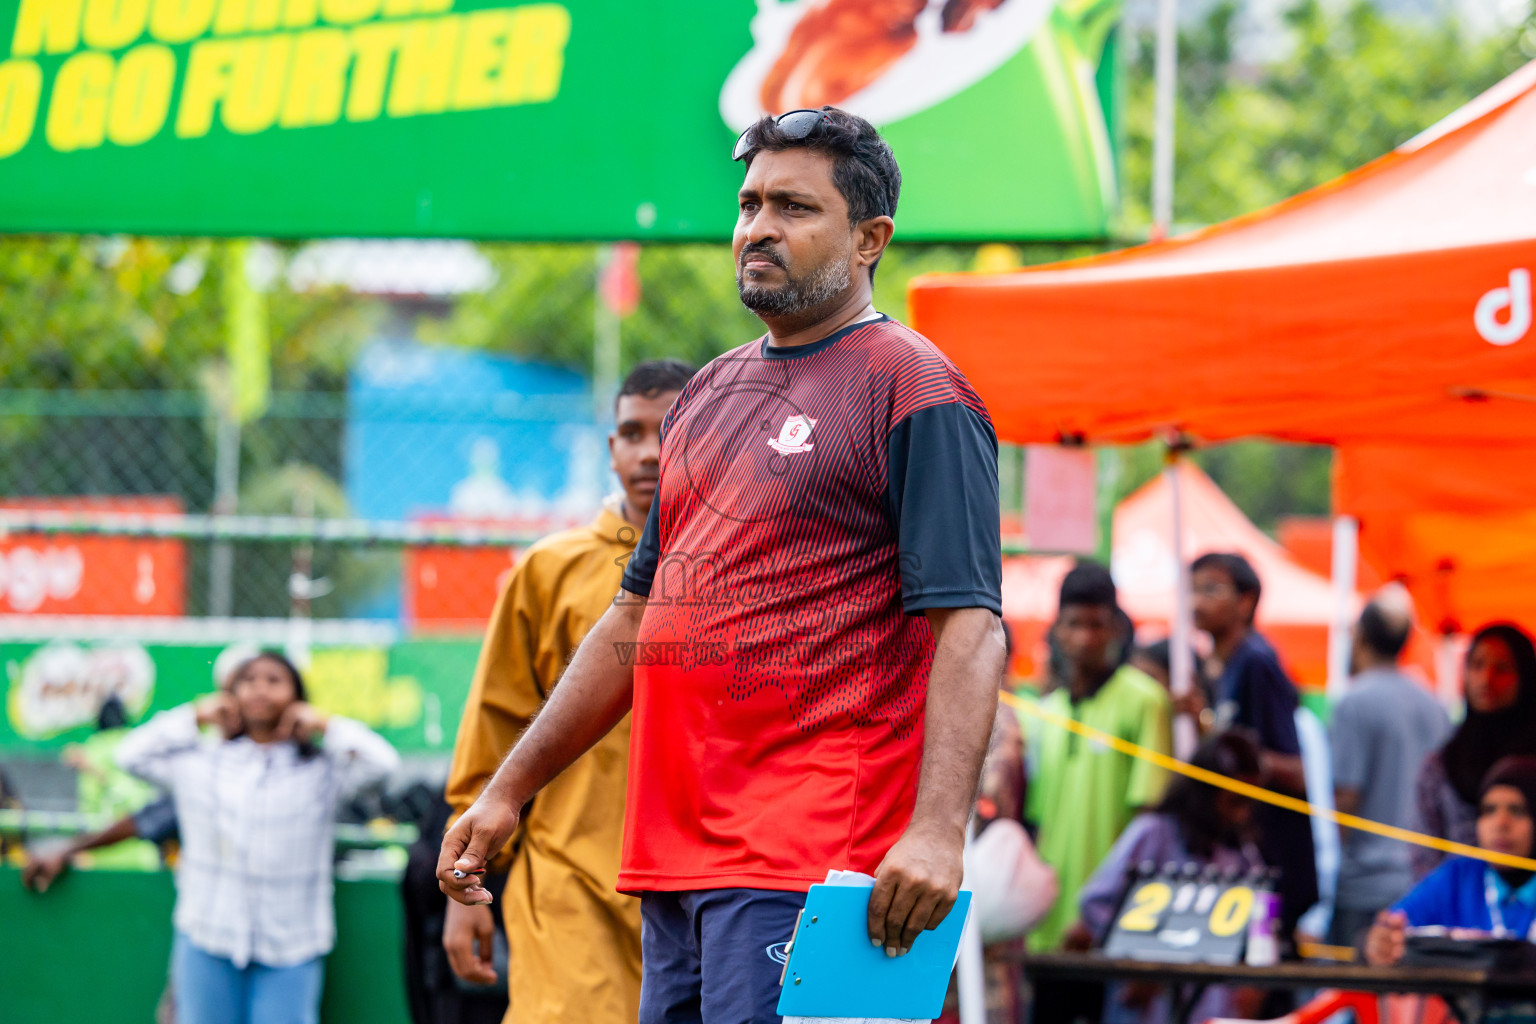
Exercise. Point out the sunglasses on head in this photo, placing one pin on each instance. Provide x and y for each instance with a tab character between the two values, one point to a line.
796	124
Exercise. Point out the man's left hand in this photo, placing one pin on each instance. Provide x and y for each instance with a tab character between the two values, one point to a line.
915	886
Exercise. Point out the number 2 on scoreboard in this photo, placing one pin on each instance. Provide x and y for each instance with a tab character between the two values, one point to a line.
1147	904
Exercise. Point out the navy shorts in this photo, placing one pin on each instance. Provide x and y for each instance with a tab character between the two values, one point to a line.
714	956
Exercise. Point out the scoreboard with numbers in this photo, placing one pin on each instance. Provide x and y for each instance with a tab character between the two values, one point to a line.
1186	914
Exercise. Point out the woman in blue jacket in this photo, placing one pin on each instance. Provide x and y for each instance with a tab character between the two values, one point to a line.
1469	895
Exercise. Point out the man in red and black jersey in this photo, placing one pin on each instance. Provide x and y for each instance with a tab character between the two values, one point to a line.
808	630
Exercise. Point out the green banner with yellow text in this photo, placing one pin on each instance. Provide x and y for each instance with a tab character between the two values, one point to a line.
412	692
553	119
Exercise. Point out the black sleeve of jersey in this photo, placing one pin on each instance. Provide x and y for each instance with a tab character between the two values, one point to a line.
942	496
640	570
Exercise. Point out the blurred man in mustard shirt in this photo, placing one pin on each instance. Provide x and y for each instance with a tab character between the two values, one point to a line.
573	941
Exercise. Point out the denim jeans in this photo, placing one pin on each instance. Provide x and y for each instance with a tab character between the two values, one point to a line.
212	990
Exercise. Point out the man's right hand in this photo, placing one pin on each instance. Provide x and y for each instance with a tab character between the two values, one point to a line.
469	936
39	872
476	837
1387	939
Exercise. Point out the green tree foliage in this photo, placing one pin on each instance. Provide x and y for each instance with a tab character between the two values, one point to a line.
147	314
1268	481
541	306
108	349
1354	85
96	313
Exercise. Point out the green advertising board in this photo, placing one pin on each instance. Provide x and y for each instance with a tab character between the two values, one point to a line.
126	916
553	119
412	692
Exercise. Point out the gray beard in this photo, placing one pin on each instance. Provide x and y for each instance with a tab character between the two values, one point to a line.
793	297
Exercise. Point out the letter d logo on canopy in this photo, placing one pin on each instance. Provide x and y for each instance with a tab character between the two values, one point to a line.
1517	298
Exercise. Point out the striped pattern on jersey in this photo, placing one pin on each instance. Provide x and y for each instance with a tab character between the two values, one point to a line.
786	564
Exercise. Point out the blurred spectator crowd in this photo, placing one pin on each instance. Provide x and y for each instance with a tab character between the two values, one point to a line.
1062	821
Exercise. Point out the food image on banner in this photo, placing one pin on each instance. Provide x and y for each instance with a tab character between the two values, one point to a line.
62	686
882	59
991	106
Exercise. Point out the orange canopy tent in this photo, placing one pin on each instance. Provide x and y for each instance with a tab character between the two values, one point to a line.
1391	305
1294	611
1456	523
1296	605
1388	312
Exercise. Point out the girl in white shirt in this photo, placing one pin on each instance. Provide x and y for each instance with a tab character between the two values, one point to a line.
256	801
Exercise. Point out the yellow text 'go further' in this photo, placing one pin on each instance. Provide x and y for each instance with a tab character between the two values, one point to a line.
255	65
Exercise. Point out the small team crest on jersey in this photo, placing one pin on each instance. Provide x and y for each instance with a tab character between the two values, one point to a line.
794	436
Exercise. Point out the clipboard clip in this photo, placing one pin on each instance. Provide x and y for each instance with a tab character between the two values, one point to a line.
789	947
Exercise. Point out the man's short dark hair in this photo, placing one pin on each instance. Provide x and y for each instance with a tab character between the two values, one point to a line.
1237	569
1088	584
863	167
1383	635
655	377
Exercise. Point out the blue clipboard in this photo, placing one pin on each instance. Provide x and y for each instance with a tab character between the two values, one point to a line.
834	971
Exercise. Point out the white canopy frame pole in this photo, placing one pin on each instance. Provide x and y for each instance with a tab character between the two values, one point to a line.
971	978
1448	653
1345	573
1181	660
606	352
1165	104
226	501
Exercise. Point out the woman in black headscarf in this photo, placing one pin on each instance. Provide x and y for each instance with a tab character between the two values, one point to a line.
1500	682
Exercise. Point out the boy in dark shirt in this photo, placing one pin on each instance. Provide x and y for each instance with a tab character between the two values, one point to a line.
1253	691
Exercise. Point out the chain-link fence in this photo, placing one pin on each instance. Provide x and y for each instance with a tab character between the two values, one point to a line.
365	504
168	462
366	530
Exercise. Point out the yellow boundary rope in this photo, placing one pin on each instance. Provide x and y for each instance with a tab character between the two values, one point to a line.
1290	803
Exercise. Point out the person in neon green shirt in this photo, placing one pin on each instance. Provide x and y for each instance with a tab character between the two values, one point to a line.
1082	794
106	791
